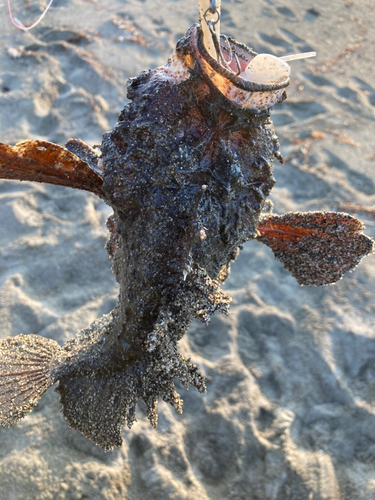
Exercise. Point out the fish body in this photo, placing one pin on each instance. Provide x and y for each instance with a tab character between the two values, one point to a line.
187	173
187	170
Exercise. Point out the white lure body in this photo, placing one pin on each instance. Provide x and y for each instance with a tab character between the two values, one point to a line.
266	69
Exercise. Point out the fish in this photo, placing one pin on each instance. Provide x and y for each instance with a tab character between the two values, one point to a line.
187	170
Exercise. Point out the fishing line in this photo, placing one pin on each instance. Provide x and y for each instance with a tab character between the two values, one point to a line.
17	23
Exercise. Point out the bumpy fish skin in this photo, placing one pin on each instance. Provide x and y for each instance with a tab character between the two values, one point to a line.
187	173
187	170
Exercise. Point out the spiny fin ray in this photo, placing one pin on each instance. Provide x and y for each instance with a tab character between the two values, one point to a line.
26	366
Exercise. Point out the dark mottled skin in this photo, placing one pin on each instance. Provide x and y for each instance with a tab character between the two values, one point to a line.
187	173
179	165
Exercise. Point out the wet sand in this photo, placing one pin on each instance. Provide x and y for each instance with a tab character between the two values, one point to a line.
290	408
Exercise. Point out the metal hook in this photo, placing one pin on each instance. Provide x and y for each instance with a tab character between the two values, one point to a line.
211	26
228	47
223	61
238	64
212	9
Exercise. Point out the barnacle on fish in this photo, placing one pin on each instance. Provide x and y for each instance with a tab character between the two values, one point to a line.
187	170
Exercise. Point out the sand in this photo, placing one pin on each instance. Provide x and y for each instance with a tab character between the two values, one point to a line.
290	408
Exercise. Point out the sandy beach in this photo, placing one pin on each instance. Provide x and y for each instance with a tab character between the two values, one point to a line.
289	412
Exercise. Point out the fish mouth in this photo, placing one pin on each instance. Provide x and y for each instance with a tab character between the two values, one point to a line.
244	93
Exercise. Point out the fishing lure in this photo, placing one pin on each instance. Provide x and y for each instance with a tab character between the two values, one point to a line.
187	170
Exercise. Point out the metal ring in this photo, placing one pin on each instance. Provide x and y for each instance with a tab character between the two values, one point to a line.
211	20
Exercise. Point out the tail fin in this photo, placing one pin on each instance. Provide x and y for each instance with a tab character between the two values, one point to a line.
26	366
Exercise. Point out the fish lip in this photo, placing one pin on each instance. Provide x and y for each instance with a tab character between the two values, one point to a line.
242	51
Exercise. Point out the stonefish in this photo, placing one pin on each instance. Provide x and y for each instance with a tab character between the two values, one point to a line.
187	170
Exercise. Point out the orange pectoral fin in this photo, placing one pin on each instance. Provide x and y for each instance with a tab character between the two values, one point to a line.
42	161
317	248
